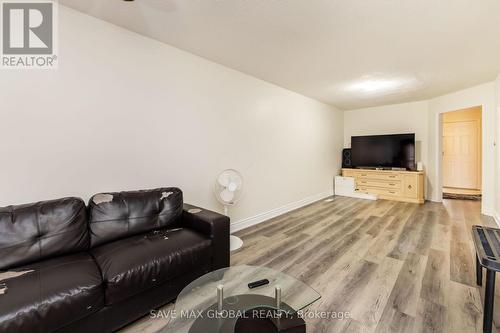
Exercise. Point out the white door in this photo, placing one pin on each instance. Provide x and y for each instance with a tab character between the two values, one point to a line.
461	154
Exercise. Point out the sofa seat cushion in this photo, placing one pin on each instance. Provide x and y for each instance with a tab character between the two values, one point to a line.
51	294
132	265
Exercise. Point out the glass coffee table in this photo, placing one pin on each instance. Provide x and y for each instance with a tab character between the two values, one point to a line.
223	302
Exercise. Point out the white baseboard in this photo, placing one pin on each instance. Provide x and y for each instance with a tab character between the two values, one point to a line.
259	218
497	218
487	212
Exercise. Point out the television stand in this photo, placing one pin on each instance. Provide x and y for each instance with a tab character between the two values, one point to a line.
406	186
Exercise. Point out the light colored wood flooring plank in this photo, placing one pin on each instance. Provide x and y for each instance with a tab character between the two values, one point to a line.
406	292
370	305
431	318
464	309
436	278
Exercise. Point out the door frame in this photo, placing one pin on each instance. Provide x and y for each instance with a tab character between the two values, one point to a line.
439	161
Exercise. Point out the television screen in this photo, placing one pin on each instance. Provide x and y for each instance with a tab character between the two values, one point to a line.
384	151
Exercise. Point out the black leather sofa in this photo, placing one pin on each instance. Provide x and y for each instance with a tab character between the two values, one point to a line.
98	268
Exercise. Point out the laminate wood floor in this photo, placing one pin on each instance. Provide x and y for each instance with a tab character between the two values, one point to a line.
394	267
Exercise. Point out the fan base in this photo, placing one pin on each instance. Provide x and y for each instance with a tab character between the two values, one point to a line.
235	243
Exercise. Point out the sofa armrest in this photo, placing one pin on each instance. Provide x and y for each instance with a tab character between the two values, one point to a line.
213	225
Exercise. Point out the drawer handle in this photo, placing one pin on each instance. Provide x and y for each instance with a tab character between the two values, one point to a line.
392	192
363	174
410	187
392	176
392	184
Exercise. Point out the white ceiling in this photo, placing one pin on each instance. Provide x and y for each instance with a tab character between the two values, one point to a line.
328	49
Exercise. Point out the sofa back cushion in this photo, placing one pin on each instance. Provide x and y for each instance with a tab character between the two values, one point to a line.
37	231
118	215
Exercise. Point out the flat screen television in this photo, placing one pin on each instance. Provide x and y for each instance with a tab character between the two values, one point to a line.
383	151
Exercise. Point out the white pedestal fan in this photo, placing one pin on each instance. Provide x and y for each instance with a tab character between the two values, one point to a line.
228	189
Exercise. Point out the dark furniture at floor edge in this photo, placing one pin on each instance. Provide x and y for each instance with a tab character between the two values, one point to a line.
100	267
487	244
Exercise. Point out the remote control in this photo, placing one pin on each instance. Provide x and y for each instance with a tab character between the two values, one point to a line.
259	283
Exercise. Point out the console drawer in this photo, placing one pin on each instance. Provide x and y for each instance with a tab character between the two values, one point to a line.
396	184
349	173
381	191
379	175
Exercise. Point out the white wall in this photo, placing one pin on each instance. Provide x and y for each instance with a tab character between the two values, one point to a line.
125	112
423	118
391	119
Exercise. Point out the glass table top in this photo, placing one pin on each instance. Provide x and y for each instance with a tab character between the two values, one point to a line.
230	285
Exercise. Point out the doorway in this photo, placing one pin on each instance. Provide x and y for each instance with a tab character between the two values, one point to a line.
462	154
